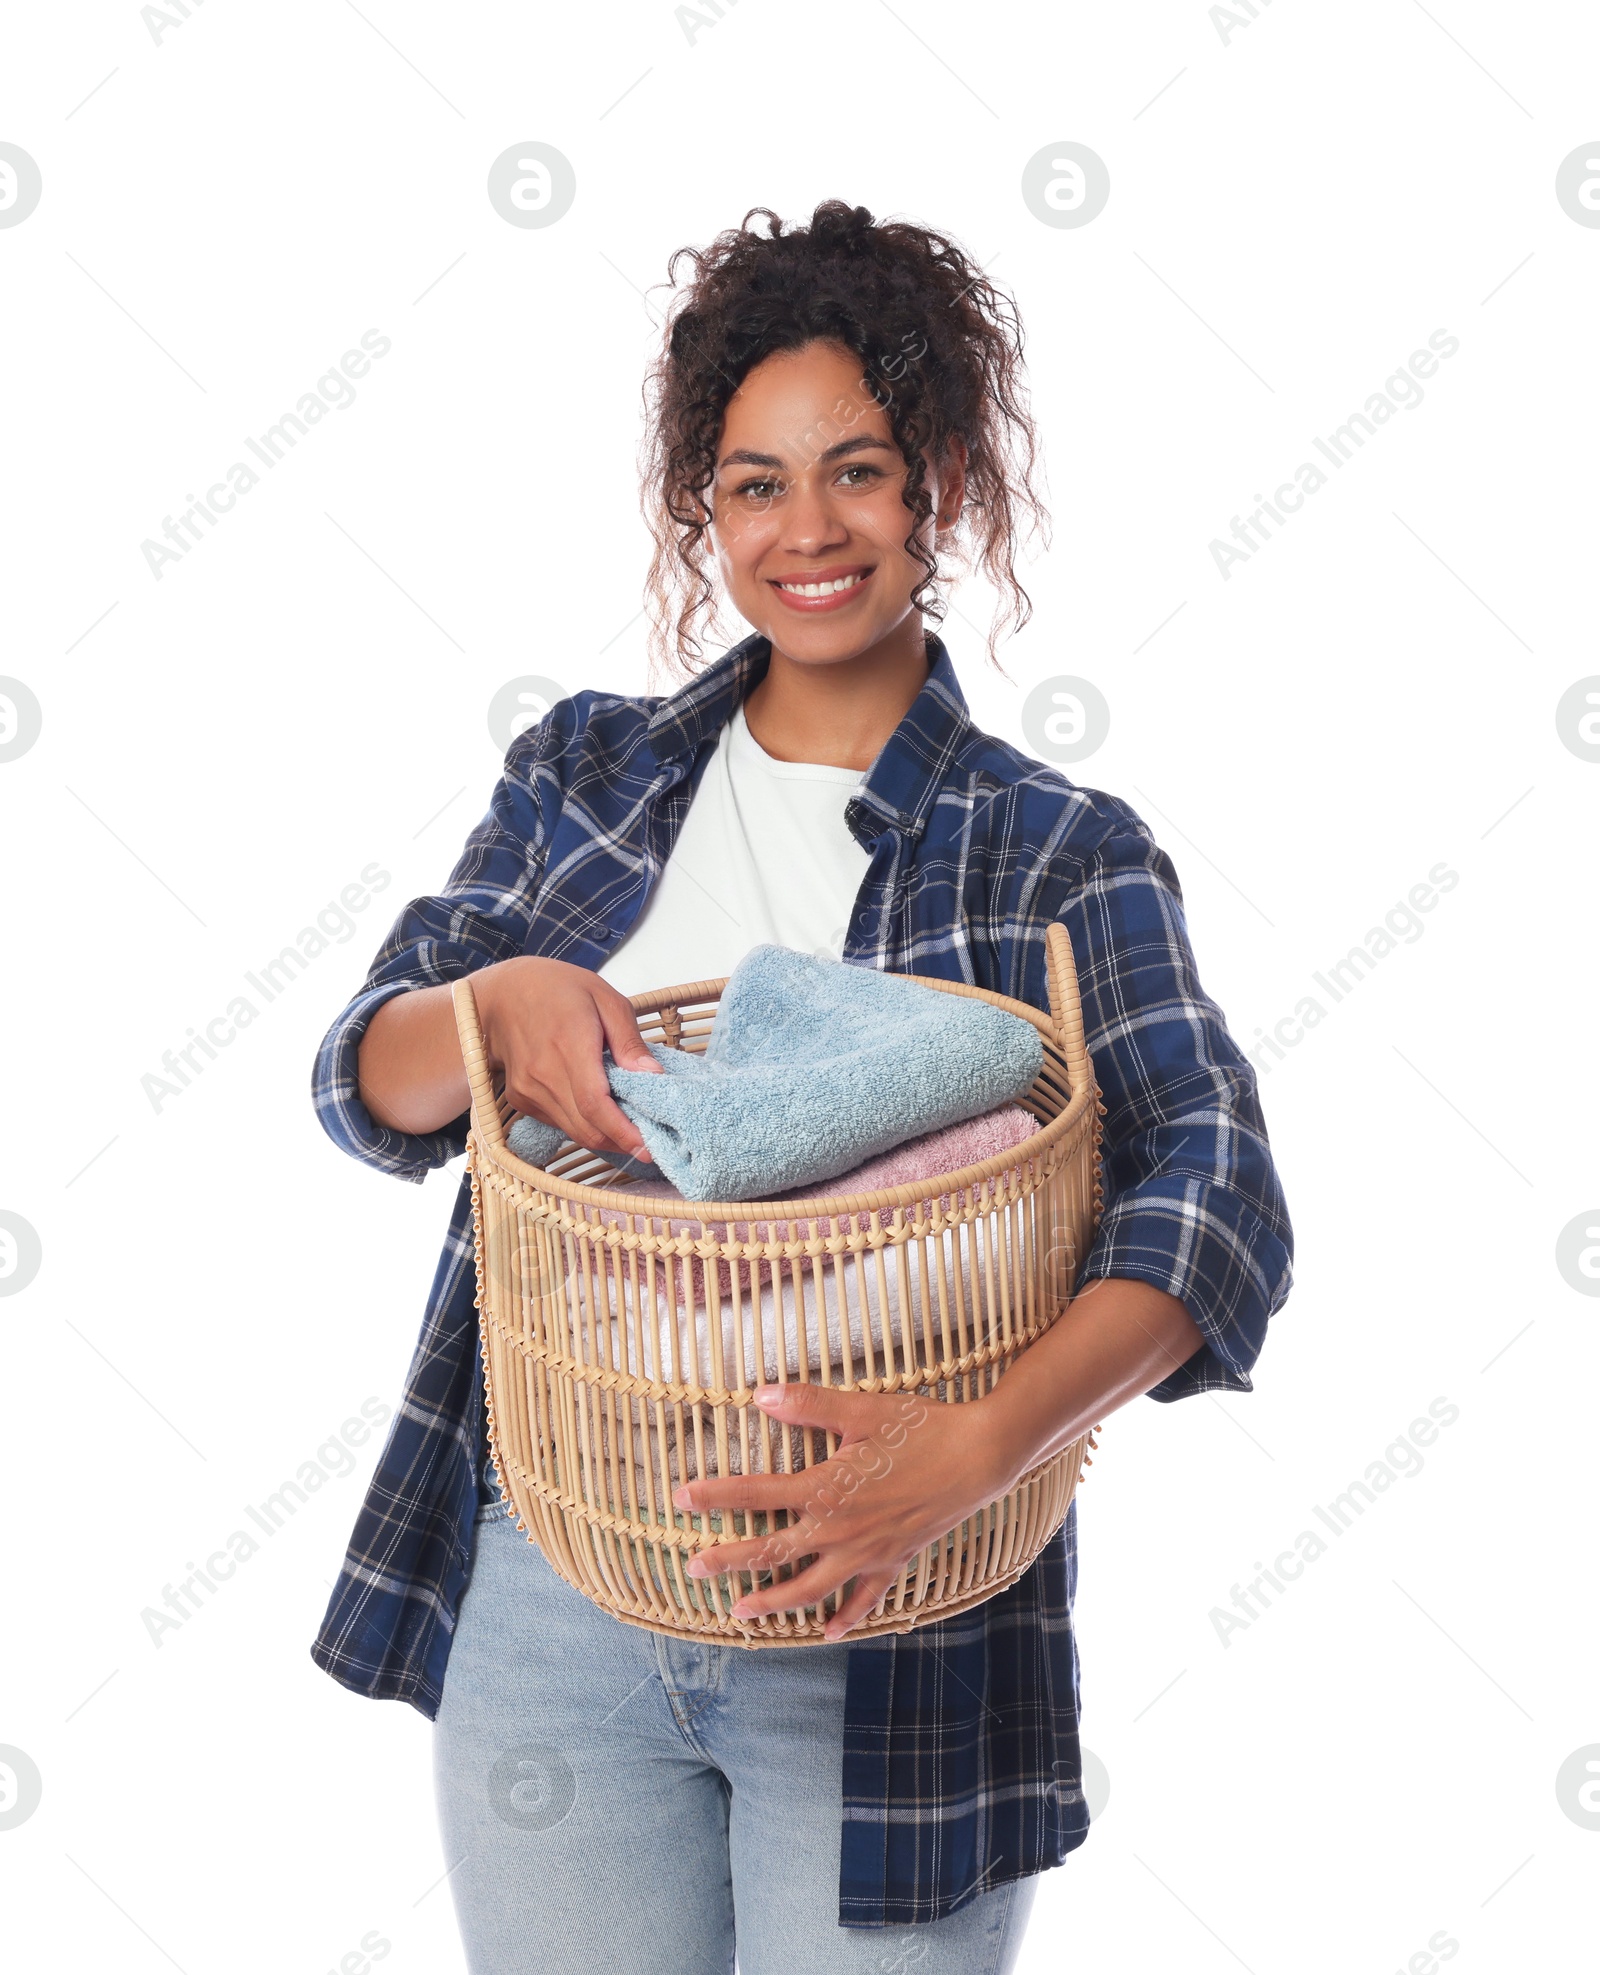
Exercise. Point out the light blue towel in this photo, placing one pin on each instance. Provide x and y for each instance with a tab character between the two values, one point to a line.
810	1067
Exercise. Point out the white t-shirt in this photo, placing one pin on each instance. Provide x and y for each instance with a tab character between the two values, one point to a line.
764	855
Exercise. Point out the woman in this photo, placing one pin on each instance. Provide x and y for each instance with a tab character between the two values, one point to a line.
837	408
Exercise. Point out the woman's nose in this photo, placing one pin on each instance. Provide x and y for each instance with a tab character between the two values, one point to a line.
811	522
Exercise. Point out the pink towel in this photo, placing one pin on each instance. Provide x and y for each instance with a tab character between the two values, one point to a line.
944	1151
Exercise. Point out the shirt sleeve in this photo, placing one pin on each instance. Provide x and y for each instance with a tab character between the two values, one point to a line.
483	914
1192	1200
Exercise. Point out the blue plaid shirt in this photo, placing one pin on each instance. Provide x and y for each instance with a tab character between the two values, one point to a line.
961	1764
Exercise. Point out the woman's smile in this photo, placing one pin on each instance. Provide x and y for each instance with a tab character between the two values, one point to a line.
822	589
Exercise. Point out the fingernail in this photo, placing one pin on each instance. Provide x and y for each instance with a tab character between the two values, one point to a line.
697	1568
769	1395
680	1498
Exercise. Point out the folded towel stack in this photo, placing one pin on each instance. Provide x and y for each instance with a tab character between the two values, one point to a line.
948	1150
795	1316
785	1302
811	1067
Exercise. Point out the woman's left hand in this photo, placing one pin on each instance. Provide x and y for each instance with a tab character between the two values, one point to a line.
907	1470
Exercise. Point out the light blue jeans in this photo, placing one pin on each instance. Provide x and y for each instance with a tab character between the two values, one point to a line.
620	1802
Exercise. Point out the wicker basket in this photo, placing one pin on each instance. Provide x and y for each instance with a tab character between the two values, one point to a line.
609	1379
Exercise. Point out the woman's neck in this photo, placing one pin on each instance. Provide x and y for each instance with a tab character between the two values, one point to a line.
838	715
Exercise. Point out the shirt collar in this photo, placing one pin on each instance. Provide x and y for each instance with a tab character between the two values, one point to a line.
901	786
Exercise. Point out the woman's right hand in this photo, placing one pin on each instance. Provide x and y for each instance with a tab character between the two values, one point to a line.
545	1023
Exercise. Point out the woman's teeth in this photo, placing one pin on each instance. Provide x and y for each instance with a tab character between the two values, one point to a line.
821	589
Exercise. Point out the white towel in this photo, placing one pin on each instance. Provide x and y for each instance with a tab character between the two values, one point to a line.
975	1256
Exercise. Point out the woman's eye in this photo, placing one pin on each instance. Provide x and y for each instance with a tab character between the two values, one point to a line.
770	489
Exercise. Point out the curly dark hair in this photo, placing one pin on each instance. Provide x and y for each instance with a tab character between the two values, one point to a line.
941	352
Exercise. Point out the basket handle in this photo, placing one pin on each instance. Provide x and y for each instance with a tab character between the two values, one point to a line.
486	1121
1066	1009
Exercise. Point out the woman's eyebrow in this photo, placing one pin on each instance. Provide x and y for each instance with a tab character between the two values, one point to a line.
743	456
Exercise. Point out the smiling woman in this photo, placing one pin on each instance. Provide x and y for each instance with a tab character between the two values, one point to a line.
871	371
836	422
810	551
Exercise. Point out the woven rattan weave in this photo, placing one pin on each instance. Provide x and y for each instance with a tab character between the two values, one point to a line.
610	1378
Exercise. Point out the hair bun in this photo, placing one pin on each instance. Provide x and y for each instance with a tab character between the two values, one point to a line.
834	224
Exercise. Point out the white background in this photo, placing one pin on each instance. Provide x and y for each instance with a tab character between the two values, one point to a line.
1305	200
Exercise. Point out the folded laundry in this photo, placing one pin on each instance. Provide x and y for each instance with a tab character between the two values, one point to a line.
811	1066
834	1317
947	1150
780	1312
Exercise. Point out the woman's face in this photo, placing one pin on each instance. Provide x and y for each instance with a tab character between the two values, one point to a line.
808	522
